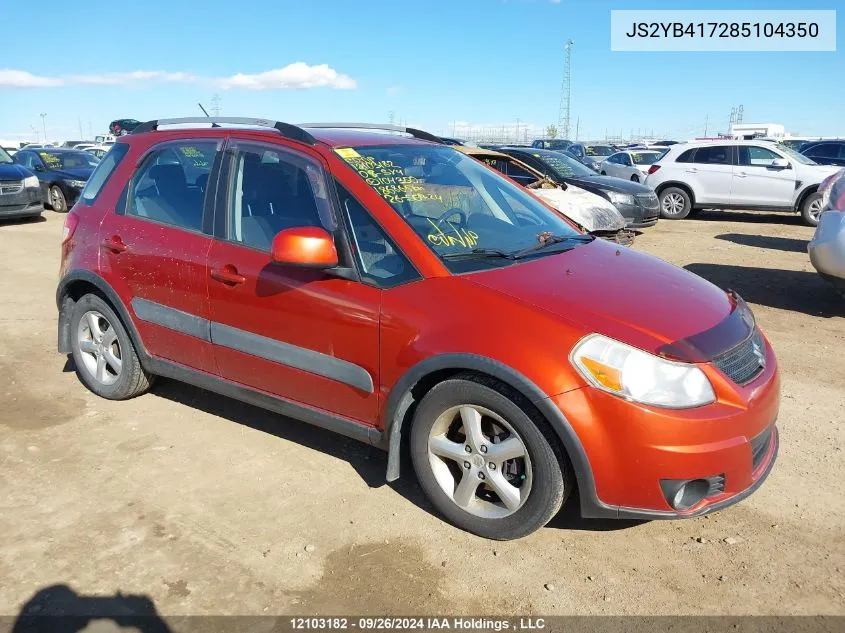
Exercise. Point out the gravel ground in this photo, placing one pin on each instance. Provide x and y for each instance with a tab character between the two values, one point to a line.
208	506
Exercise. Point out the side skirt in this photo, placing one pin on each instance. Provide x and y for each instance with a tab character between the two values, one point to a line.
301	412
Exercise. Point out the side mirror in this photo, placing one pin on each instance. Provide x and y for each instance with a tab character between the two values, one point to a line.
38	167
780	163
304	246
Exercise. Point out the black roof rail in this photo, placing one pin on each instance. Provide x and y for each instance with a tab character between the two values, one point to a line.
420	134
293	132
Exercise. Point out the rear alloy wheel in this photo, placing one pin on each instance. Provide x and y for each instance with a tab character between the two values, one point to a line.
57	199
811	208
675	203
483	462
103	353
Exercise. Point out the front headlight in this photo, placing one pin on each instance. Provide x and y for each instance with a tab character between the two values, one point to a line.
76	184
30	182
621	198
637	375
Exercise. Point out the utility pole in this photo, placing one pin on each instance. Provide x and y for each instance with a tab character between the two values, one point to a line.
390	117
79	120
517	129
577	127
44	125
566	91
706	121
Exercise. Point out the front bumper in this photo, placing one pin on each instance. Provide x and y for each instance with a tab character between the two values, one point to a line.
631	448
25	202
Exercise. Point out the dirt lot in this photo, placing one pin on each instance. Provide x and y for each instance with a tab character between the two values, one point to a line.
209	506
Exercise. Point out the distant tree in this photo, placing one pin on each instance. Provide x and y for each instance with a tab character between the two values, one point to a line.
551	131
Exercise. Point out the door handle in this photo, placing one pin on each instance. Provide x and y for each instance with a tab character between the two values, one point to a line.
114	244
741	174
692	171
228	275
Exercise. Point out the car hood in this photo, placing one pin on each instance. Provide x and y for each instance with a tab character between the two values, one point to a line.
612	290
82	173
592	212
13	172
609	183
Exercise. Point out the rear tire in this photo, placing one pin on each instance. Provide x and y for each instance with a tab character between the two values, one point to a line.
811	208
105	358
456	430
675	203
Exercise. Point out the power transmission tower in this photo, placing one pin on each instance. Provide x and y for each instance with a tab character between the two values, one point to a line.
739	114
215	105
706	121
566	91
390	117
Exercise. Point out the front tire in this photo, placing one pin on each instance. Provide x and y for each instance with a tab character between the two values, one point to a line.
488	466
675	203
811	208
57	199
105	358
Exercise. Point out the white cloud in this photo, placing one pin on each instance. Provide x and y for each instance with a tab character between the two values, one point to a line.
296	76
21	79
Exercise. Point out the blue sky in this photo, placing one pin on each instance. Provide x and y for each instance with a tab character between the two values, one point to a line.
429	62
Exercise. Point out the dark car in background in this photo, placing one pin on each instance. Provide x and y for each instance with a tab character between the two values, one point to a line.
557	144
119	127
62	173
637	203
449	140
20	192
590	155
825	152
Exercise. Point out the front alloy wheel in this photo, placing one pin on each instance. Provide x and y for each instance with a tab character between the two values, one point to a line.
479	461
486	458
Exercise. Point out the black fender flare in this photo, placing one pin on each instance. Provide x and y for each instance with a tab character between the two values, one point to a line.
64	304
401	398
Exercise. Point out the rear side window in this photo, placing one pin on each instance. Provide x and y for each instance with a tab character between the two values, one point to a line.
102	172
170	185
715	155
826	150
686	157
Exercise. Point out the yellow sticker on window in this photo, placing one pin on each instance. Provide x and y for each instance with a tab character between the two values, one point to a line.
347	152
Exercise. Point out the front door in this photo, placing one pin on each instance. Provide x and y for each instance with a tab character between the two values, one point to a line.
757	182
296	333
153	251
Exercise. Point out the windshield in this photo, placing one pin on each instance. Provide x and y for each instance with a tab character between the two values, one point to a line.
798	158
459	207
598	150
68	160
4	156
562	165
645	158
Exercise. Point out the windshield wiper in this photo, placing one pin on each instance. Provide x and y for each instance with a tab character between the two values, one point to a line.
551	240
479	253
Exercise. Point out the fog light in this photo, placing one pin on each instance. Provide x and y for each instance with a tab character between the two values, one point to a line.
684	493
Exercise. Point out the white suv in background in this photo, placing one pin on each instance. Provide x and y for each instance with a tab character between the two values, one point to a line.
756	175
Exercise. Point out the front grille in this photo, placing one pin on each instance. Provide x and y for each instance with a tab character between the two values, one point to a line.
11	186
746	361
759	447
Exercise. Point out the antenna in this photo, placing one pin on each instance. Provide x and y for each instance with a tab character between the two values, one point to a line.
203	109
566	90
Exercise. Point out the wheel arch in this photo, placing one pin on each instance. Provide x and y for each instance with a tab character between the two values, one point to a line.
419	379
74	286
802	197
680	185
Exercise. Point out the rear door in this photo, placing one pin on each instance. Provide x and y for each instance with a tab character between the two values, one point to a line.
710	174
296	333
153	249
757	182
